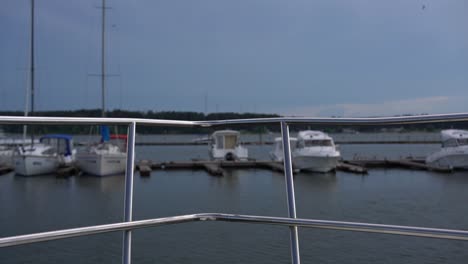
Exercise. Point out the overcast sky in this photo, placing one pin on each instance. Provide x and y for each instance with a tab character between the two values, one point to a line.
291	57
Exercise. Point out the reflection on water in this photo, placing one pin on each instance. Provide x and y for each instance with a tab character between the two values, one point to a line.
316	180
394	196
107	184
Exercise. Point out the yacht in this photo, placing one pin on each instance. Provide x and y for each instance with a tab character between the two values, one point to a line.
104	158
454	151
315	151
45	157
225	145
277	153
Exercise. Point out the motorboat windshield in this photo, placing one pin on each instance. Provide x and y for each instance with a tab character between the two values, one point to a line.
61	144
315	143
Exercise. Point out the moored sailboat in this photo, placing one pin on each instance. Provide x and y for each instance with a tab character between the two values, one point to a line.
105	157
45	157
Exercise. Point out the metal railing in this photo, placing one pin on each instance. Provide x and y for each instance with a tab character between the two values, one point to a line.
128	225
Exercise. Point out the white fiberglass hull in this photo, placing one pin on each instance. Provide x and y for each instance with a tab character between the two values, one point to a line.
6	157
276	156
103	164
315	163
452	160
27	165
238	153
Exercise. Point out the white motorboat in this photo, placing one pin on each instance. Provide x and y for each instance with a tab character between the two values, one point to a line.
315	151
277	153
454	151
225	145
45	157
104	158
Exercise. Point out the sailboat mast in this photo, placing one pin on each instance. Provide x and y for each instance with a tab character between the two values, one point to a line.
32	56
103	69
32	68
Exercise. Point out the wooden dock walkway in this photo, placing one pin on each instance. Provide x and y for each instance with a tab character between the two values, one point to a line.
398	163
218	168
249	143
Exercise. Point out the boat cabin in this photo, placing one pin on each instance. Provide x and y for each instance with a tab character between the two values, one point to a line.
225	145
225	139
454	138
310	138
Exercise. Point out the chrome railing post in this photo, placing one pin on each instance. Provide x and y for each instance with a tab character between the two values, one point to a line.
128	199
288	174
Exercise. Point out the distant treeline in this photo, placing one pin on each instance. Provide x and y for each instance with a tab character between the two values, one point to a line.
197	116
169	115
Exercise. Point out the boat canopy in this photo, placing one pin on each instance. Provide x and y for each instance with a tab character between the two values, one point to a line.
57	139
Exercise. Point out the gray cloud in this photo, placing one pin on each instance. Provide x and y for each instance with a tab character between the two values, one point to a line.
423	105
272	56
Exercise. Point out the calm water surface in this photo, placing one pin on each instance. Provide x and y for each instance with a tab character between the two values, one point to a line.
394	196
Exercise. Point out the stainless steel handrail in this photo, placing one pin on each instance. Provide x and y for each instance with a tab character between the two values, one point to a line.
290	196
292	221
270	220
92	121
128	197
400	120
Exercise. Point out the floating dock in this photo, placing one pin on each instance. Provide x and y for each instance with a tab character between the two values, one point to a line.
338	142
218	168
415	164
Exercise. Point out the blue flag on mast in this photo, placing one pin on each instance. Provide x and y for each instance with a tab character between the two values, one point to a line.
105	133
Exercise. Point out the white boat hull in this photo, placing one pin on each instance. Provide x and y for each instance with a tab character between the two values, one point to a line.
238	153
102	164
451	161
35	165
315	163
6	157
275	156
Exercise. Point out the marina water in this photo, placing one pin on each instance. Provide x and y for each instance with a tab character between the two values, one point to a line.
393	196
